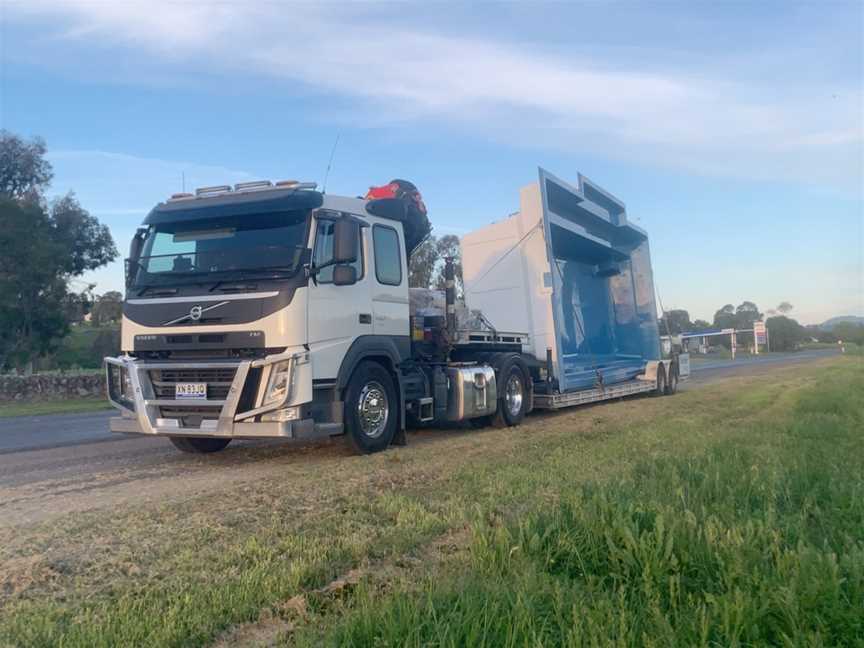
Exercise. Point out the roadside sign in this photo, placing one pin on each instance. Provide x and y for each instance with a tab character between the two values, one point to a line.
759	332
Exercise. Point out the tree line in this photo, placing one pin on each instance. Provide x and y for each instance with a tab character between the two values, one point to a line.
784	332
45	244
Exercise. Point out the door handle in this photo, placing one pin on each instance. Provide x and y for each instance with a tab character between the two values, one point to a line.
365	318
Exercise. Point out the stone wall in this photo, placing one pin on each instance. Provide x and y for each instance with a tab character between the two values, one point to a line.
51	386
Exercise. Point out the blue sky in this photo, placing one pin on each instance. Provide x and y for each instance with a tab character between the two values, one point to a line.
732	131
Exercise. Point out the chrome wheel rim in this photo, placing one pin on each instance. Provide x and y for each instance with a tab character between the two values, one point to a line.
373	410
513	395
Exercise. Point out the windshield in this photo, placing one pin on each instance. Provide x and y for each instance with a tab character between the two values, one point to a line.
240	246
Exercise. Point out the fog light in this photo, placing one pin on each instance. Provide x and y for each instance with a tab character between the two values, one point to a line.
285	414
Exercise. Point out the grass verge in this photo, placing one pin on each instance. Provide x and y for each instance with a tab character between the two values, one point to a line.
38	408
757	541
730	513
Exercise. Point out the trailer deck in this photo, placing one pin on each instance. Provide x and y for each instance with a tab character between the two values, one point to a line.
585	396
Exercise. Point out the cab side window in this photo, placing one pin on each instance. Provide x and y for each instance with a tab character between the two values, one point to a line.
323	252
388	259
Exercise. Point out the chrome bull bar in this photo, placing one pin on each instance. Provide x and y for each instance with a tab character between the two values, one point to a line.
130	389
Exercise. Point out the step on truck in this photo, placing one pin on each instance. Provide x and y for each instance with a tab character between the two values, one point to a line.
278	311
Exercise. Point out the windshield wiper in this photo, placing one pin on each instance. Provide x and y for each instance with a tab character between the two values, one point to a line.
159	290
235	286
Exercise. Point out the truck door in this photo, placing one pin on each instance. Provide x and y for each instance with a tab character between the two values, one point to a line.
390	281
337	315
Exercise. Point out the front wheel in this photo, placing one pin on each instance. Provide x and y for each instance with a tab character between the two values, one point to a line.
199	445
371	408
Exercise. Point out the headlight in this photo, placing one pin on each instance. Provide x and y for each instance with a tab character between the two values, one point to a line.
279	384
120	385
125	384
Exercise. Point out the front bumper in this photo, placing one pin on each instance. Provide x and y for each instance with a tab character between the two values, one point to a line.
131	390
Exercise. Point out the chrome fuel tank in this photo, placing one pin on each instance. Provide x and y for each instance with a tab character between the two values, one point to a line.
471	392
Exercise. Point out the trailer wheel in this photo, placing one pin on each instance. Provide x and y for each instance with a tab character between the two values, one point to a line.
512	394
199	445
371	408
661	381
672	381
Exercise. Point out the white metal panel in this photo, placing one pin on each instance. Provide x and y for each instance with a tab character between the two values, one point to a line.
507	274
334	313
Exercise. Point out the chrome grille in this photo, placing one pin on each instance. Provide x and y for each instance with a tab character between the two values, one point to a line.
218	380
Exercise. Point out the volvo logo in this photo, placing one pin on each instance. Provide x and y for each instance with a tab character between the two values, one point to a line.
195	314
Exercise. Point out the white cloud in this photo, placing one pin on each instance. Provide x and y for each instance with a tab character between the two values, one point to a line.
112	184
516	92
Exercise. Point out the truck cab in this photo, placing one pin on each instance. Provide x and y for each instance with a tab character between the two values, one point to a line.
249	308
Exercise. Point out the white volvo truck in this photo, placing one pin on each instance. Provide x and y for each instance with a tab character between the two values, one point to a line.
277	311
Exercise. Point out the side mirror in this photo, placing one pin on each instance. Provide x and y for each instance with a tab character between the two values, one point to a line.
346	234
344	275
135	248
137	243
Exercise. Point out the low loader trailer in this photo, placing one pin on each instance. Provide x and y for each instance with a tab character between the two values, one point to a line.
278	311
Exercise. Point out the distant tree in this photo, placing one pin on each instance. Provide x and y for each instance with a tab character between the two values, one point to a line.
108	308
448	246
725	317
701	325
78	305
42	250
24	171
421	268
107	343
44	245
747	313
784	333
849	332
824	336
678	321
784	308
426	267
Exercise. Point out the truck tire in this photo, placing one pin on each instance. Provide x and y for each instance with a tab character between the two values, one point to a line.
672	380
512	393
371	408
661	381
199	445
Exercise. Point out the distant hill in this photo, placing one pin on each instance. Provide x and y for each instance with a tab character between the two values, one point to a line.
829	325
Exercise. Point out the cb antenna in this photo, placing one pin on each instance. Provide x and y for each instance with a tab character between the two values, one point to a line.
330	162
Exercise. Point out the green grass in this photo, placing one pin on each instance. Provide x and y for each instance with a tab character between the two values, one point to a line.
757	541
727	515
70	406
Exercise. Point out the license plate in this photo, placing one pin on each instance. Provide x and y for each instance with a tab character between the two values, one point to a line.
190	391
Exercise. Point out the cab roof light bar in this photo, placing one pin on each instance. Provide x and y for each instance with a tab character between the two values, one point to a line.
253	185
212	191
243	187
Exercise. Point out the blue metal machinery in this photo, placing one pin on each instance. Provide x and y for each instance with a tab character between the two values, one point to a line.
602	285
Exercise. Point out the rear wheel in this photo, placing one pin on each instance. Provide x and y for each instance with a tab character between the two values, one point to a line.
371	408
199	445
512	394
672	380
661	381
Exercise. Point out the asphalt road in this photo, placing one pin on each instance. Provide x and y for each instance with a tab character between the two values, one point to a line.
53	465
28	433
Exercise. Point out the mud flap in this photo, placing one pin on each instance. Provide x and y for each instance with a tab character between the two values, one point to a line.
400	438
